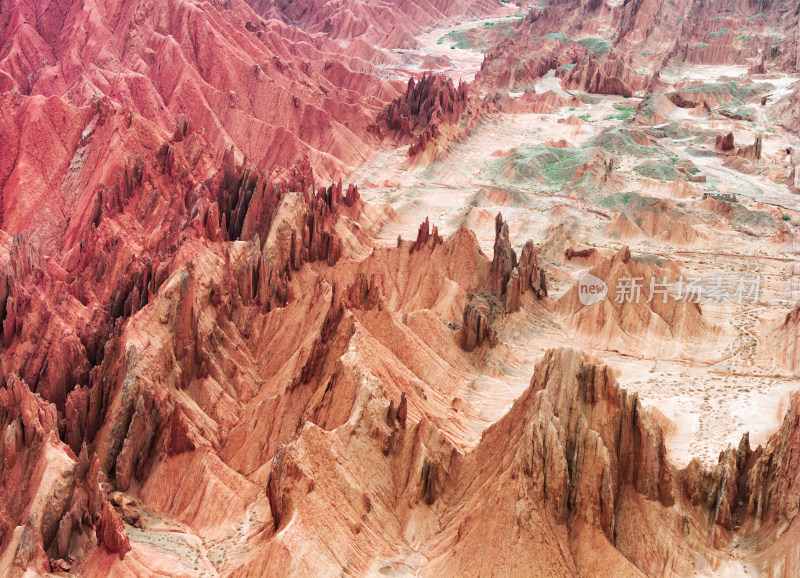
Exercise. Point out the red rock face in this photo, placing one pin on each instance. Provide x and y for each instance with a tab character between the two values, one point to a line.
599	47
430	115
70	290
725	143
528	277
610	75
598	474
111	532
238	79
787	112
476	329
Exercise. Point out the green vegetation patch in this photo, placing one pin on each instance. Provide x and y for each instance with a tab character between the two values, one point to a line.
742	112
554	36
616	201
449	36
556	167
657	170
457	39
650	103
718	88
624	111
477	38
757	222
618	140
720	32
596	45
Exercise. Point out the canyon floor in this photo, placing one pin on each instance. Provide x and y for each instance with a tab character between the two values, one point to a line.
720	389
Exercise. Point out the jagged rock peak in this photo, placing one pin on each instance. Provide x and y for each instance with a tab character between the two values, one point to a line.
426	236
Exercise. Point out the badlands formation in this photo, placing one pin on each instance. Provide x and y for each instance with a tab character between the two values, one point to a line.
420	288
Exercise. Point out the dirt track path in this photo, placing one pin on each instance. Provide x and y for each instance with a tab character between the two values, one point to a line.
747	341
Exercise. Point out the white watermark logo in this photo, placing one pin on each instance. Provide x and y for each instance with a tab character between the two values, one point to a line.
716	288
591	289
719	288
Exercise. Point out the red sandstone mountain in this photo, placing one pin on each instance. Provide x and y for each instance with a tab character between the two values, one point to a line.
215	316
381	23
208	362
253	306
273	92
431	114
619	48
